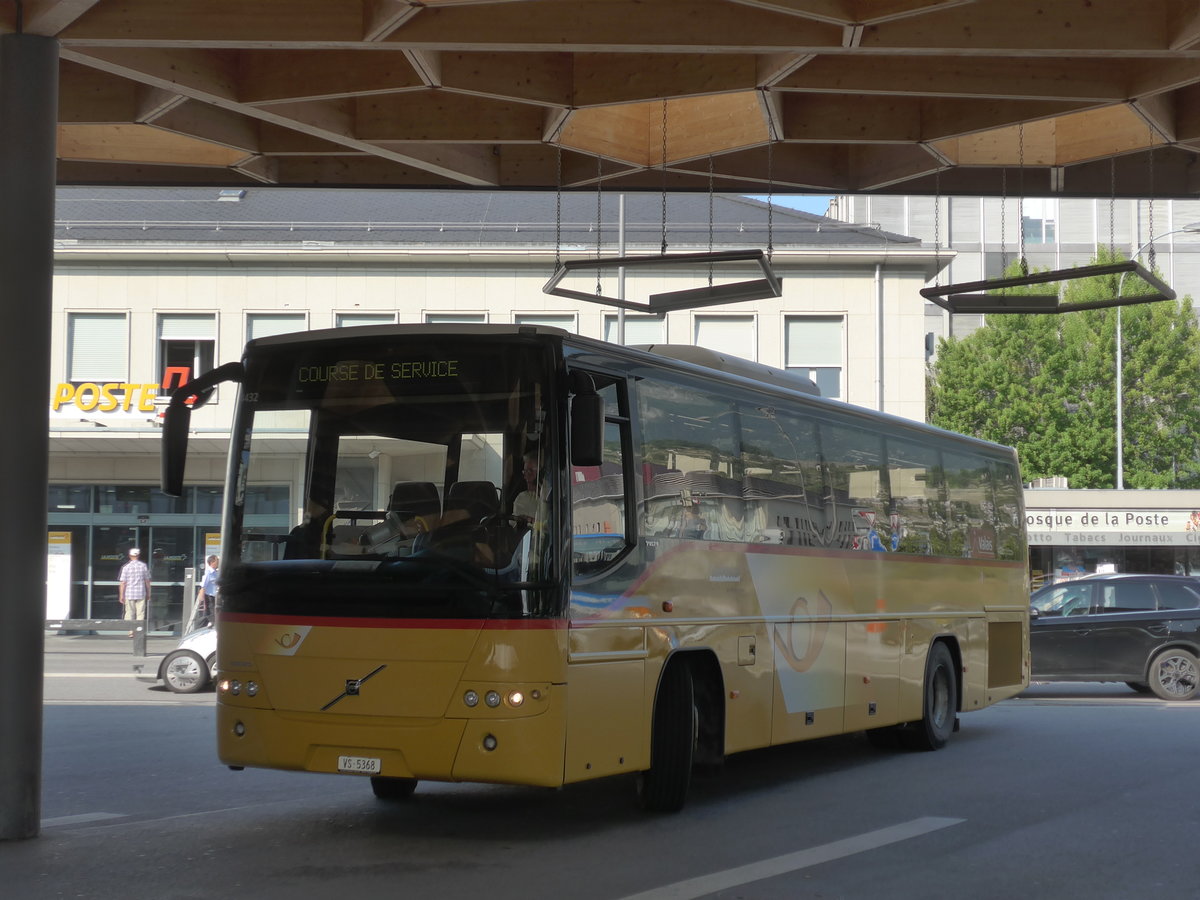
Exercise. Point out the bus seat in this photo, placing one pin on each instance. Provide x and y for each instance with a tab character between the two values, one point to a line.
479	499
415	498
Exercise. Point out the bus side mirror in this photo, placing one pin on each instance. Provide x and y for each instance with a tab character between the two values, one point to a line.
177	419
587	429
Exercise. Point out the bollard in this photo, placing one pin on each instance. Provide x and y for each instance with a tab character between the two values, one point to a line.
139	639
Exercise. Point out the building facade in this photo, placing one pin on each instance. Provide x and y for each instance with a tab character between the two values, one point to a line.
153	286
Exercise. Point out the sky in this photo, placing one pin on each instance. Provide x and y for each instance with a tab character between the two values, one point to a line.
809	203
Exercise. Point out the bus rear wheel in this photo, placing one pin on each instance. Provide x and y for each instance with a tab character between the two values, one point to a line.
664	786
393	788
939	706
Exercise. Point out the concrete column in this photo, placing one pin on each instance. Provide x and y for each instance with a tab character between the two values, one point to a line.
28	128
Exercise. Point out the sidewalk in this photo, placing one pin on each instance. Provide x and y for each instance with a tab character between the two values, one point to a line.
114	644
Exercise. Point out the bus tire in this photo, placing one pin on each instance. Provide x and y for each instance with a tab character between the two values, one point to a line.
939	706
664	786
393	788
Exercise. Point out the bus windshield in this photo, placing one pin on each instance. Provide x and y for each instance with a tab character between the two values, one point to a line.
425	491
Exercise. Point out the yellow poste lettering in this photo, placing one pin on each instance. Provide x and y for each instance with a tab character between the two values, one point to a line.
108	397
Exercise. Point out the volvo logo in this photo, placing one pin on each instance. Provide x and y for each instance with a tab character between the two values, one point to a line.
353	687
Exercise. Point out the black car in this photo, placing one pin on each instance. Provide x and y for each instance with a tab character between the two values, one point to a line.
1140	629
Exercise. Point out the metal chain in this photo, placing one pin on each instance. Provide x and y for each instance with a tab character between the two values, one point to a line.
599	214
1112	206
1150	255
1003	224
558	211
710	217
771	193
663	249
937	228
1021	195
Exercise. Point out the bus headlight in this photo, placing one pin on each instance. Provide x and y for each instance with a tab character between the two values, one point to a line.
492	699
515	699
471	698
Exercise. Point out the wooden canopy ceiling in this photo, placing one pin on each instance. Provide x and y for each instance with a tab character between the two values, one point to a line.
825	96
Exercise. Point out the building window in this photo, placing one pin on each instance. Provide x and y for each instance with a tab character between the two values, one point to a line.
455	318
732	335
814	349
260	325
186	347
638	329
97	348
1037	221
349	320
565	322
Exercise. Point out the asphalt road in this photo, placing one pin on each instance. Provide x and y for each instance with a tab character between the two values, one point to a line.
1068	791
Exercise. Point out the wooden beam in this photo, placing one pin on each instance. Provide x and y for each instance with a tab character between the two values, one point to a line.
209	123
87	172
541	78
353	171
479	165
260	168
445	116
947	117
49	17
1111	131
1003	146
1187	120
874	167
616	132
219	23
272	76
1028	28
155	101
382	17
601	79
85	95
1158	111
1083	80
614	26
329	120
140	144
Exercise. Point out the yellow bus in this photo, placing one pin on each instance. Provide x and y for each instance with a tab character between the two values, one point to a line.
521	556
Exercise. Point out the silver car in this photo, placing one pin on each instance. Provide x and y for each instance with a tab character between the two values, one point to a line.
192	666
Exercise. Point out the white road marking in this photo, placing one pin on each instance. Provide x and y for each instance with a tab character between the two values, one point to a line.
791	862
80	818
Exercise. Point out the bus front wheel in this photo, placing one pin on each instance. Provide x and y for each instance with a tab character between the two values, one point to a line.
664	786
939	707
392	788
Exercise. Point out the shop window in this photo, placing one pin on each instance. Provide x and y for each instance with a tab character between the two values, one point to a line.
97	348
267	500
70	498
209	499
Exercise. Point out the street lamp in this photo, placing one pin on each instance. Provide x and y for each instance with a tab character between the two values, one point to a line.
1190	228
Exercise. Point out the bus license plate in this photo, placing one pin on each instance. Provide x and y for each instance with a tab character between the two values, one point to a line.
360	765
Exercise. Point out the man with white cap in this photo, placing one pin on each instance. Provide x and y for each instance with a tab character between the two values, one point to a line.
133	587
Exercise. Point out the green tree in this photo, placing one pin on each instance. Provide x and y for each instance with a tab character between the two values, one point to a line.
1046	384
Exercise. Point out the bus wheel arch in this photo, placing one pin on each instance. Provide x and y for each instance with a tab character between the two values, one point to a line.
941	693
687	727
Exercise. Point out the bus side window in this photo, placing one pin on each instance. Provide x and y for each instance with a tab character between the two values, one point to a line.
692	464
599	504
